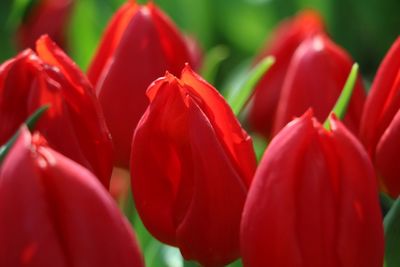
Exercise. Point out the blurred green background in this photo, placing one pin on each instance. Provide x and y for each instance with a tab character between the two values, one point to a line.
233	30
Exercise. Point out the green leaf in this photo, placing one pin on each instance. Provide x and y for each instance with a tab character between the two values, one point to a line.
342	103
386	202
212	61
30	123
392	235
239	98
259	144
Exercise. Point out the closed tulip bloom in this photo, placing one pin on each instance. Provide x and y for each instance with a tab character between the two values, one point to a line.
54	212
45	17
282	46
315	78
138	46
191	167
380	124
313	201
74	124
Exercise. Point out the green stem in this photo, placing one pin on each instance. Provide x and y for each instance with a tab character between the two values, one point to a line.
343	101
30	123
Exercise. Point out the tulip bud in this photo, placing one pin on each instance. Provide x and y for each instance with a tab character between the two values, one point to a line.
191	167
315	78
46	17
313	201
139	45
54	212
74	124
282	46
380	123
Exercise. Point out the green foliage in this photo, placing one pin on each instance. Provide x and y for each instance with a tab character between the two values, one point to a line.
392	235
238	98
343	101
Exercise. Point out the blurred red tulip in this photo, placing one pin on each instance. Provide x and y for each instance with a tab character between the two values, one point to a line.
315	78
54	212
313	201
74	124
380	124
139	45
191	167
46	17
282	46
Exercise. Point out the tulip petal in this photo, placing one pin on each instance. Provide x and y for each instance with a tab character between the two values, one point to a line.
108	240
61	214
330	66
93	138
27	234
214	243
383	100
360	230
235	140
110	40
126	85
387	157
156	166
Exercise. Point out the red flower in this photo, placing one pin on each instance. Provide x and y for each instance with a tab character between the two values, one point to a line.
54	212
313	201
46	17
139	45
74	124
380	124
282	46
315	78
191	167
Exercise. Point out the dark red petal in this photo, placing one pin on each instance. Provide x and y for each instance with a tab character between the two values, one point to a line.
88	123
282	45
27	233
159	144
46	17
138	61
383	100
110	40
268	230
174	46
16	76
209	231
92	230
359	230
236	142
315	78
387	158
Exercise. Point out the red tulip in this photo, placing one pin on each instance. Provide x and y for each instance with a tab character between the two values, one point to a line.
282	46
46	17
313	201
54	212
315	78
74	124
191	167
139	45
380	124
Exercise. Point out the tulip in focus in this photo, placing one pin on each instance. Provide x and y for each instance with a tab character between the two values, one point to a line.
380	124
282	46
138	46
313	201
54	212
191	167
74	124
46	17
315	78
